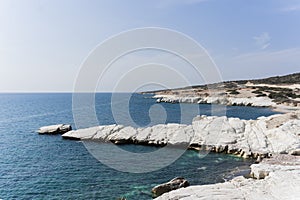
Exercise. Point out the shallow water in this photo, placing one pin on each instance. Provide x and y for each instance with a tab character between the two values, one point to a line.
36	166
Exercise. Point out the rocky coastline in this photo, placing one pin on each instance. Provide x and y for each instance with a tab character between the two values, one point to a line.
273	141
276	134
279	93
273	178
228	101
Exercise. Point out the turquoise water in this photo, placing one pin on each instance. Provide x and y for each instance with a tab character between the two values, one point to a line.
47	167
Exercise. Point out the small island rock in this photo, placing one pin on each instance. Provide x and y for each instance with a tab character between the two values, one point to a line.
55	129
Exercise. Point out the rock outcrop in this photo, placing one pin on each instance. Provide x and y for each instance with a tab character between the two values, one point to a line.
55	129
247	138
284	96
173	184
279	178
251	101
161	134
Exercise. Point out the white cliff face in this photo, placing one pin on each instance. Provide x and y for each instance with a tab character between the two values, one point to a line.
250	101
279	178
253	101
247	138
160	134
274	134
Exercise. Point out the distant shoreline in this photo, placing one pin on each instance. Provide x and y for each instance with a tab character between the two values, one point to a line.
280	93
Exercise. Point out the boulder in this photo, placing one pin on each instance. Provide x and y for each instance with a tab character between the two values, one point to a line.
173	184
295	152
259	172
55	129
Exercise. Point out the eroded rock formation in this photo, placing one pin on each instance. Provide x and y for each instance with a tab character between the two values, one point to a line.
247	138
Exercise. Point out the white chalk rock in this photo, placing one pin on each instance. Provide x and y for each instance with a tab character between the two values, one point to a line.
55	129
216	99
86	133
273	134
279	179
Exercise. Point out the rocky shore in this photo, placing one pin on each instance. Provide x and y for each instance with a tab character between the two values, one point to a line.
274	137
273	178
229	101
274	141
276	134
217	99
244	97
280	93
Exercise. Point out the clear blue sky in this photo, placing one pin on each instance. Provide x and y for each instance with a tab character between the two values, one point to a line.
44	42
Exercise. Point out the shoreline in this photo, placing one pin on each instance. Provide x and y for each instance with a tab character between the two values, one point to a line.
284	109
274	141
280	94
266	138
273	178
247	138
259	102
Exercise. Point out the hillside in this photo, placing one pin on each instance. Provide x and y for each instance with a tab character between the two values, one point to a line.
282	80
266	92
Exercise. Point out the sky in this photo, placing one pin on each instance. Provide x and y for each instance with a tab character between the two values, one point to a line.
43	43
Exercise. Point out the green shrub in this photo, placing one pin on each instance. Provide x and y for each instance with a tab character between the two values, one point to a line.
261	95
257	92
233	92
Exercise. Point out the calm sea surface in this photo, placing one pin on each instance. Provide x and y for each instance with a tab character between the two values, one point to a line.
36	166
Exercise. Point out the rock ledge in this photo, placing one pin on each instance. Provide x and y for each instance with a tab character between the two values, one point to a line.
55	129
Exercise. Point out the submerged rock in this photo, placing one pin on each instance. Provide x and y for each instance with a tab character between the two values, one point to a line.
173	184
55	129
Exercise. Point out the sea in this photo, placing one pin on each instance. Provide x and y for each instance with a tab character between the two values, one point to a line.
36	166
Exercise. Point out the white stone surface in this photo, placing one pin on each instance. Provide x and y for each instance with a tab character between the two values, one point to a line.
54	129
292	86
281	178
251	101
273	134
